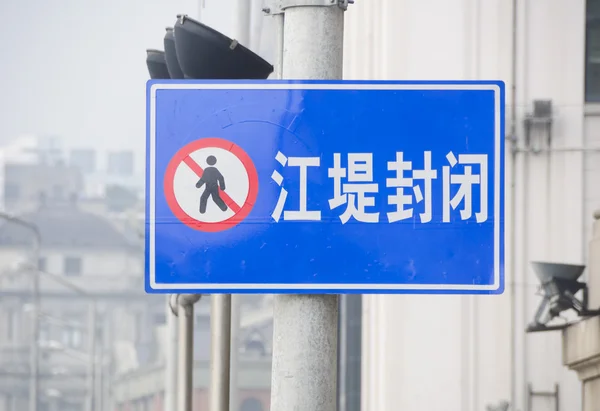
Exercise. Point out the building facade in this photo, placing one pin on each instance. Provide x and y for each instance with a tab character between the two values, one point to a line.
143	390
470	352
581	340
83	257
465	352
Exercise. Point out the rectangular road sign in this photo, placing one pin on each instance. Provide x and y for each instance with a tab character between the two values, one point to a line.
325	187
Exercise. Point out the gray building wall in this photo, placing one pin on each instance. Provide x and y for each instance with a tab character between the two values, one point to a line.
27	185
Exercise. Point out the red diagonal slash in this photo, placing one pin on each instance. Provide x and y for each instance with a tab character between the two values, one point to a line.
199	171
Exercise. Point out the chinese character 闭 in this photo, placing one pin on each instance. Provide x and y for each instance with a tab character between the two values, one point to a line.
465	184
353	193
302	214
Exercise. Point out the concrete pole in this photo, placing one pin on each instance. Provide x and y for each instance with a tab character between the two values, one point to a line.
305	335
171	358
279	20
99	400
92	356
220	349
35	333
244	17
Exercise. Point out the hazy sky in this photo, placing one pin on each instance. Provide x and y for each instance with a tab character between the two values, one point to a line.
76	68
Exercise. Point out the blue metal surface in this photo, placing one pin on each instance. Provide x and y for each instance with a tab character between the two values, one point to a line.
439	248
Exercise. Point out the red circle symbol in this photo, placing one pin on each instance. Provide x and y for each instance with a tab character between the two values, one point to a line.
241	211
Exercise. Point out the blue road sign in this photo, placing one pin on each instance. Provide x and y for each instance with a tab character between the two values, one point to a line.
325	187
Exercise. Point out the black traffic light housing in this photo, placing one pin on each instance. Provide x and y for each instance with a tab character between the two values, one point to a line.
195	51
204	53
157	66
171	55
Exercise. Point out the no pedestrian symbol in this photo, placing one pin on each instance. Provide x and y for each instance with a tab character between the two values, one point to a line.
211	184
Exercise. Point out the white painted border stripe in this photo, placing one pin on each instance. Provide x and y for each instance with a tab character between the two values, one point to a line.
321	86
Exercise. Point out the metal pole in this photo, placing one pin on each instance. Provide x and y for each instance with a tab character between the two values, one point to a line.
235	352
99	361
108	364
92	355
343	353
305	335
220	345
185	368
99	381
171	359
35	328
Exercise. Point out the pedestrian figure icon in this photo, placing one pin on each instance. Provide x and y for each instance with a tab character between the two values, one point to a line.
225	179
213	180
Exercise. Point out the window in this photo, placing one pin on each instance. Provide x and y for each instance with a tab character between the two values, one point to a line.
44	333
120	163
72	329
592	51
72	266
100	326
203	321
71	337
12	191
160	319
58	192
42	264
251	404
138	326
10	325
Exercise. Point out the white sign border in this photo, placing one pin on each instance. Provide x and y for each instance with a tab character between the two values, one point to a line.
323	86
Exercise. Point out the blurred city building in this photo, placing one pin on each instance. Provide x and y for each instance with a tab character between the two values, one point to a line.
143	388
35	166
120	163
581	340
93	241
91	224
85	159
88	252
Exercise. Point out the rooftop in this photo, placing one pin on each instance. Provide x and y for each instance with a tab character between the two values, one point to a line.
66	225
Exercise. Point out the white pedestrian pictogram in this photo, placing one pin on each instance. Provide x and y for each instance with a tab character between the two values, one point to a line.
211	185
